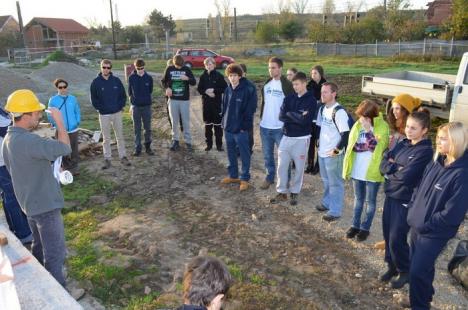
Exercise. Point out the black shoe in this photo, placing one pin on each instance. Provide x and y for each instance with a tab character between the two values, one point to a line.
175	146
208	148
124	161
308	169
280	197
330	218
293	200
352	232
106	165
149	151
220	148
189	147
321	208
400	281
362	235
388	275
136	153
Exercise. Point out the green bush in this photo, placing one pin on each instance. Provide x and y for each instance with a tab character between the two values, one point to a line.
266	32
60	55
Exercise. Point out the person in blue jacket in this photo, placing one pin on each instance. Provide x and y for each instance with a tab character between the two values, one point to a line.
108	97
437	209
402	168
140	88
70	110
238	108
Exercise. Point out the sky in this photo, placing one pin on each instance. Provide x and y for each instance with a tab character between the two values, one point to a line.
133	12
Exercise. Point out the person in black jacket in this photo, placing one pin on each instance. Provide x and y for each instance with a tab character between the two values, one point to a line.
437	209
140	88
314	86
211	87
297	114
108	97
239	104
176	81
402	168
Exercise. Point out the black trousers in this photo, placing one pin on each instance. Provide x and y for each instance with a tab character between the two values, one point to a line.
212	120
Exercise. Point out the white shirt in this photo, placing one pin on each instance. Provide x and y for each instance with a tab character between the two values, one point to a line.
361	160
274	96
329	135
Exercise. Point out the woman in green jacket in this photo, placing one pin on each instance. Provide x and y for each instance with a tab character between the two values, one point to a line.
368	140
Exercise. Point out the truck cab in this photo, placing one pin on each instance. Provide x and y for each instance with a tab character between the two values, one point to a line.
459	106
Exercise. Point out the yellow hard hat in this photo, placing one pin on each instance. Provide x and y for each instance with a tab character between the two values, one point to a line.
23	101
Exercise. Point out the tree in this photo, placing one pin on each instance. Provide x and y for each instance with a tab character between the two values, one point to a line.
329	33
160	23
328	7
9	40
283	6
266	32
223	7
299	6
133	34
458	24
396	19
290	29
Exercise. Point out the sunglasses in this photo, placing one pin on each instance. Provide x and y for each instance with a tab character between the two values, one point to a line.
108	68
140	68
62	87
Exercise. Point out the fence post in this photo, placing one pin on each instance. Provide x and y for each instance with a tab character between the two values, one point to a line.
355	48
424	48
376	48
451	48
399	47
336	48
316	48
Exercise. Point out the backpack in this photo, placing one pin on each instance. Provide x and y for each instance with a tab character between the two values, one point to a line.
336	109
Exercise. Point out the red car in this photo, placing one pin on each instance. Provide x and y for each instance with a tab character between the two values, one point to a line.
194	57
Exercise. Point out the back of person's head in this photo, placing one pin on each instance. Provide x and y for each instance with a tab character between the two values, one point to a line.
169	62
300	76
139	63
244	68
234	69
319	69
423	117
205	278
277	61
368	108
458	138
178	60
293	70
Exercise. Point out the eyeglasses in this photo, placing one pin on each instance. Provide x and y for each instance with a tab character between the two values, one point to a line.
140	68
62	87
108	68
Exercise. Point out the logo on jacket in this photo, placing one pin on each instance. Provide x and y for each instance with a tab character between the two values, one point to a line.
438	187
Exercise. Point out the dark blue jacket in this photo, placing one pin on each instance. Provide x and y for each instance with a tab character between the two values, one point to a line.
238	107
296	124
108	96
440	202
140	89
191	307
404	174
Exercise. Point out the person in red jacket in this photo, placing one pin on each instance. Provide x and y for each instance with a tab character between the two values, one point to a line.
437	209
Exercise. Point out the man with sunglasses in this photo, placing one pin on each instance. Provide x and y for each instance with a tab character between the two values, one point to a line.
140	87
108	97
70	109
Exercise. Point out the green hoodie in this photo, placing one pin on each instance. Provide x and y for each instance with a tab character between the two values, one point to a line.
381	133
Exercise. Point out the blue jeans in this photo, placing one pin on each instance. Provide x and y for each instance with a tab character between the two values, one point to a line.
270	137
139	115
364	191
331	169
48	246
238	141
16	219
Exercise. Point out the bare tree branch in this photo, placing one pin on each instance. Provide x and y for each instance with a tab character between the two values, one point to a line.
299	6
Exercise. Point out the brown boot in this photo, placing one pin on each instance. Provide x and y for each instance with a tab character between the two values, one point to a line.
244	185
228	180
379	245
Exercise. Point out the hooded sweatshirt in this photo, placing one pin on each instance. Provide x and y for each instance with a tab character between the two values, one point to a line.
291	114
70	110
140	89
108	96
180	88
403	175
440	203
238	107
316	88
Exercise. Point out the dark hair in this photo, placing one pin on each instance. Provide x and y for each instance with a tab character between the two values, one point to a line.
204	279
392	121
423	117
300	76
319	69
244	67
139	63
368	108
58	81
277	61
333	86
294	70
178	60
234	69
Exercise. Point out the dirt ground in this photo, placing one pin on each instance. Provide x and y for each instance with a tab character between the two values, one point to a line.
282	257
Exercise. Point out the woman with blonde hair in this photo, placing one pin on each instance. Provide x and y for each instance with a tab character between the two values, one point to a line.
437	209
367	141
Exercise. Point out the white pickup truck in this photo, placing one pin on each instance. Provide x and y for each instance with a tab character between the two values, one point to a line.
445	95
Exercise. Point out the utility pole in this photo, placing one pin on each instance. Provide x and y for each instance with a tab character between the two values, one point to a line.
113	31
235	24
20	21
385	7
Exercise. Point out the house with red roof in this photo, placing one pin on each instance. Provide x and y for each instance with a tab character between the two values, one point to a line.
8	24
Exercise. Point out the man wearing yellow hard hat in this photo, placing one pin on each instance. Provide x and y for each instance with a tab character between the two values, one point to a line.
27	157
